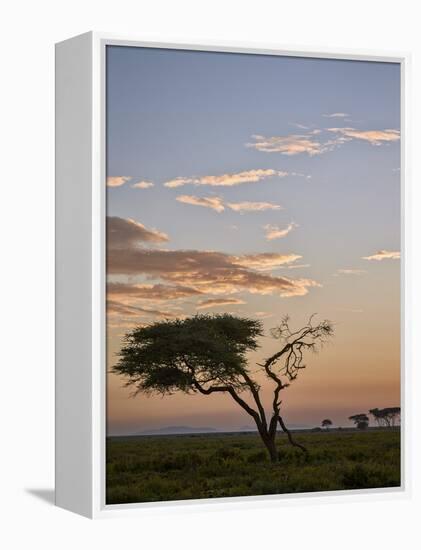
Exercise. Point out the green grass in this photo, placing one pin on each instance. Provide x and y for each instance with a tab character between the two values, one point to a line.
157	468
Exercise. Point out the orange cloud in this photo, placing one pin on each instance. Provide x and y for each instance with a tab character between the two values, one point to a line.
350	272
119	308
178	182
215	203
375	137
227	180
297	266
275	232
210	272
117	181
143	185
308	143
265	260
383	255
219	302
253	206
156	292
123	233
288	145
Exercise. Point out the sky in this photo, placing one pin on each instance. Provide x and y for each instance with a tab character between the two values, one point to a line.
259	186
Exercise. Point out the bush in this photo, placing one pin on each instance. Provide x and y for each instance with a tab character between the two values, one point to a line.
258	456
227	453
356	478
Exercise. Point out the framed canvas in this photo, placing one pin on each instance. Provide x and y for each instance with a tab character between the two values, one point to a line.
230	280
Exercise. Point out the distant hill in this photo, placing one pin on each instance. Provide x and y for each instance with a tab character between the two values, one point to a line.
174	430
169	430
289	426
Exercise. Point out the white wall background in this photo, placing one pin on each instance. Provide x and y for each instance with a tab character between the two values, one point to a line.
28	32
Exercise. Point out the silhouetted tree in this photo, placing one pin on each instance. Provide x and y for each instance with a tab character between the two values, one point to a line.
327	423
360	420
376	414
393	414
387	416
207	354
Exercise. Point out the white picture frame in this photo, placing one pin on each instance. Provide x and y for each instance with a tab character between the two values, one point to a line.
80	276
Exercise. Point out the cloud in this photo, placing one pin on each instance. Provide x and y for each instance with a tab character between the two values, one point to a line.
300	175
253	206
143	184
178	182
119	308
300	126
384	255
248	176
214	302
226	180
182	273
275	232
312	143
210	272
336	115
349	272
215	203
298	266
117	181
288	145
123	323
265	260
375	137
123	233
156	292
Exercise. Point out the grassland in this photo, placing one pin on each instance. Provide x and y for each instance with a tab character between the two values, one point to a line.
156	468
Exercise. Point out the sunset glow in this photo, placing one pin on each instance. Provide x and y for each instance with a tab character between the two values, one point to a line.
259	186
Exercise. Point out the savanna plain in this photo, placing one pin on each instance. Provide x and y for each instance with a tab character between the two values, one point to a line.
194	466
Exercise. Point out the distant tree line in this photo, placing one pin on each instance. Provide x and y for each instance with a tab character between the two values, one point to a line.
387	417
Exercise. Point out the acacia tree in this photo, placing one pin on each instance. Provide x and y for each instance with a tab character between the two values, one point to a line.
327	423
376	414
207	354
392	415
387	416
360	420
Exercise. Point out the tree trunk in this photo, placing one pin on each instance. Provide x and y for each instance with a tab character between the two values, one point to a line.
270	445
268	441
271	448
290	438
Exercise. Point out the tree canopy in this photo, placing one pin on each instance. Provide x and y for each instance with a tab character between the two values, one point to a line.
361	417
189	354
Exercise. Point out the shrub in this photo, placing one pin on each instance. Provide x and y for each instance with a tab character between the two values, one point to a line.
258	456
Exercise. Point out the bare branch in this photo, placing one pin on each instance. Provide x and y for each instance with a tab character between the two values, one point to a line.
234	395
254	388
308	337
